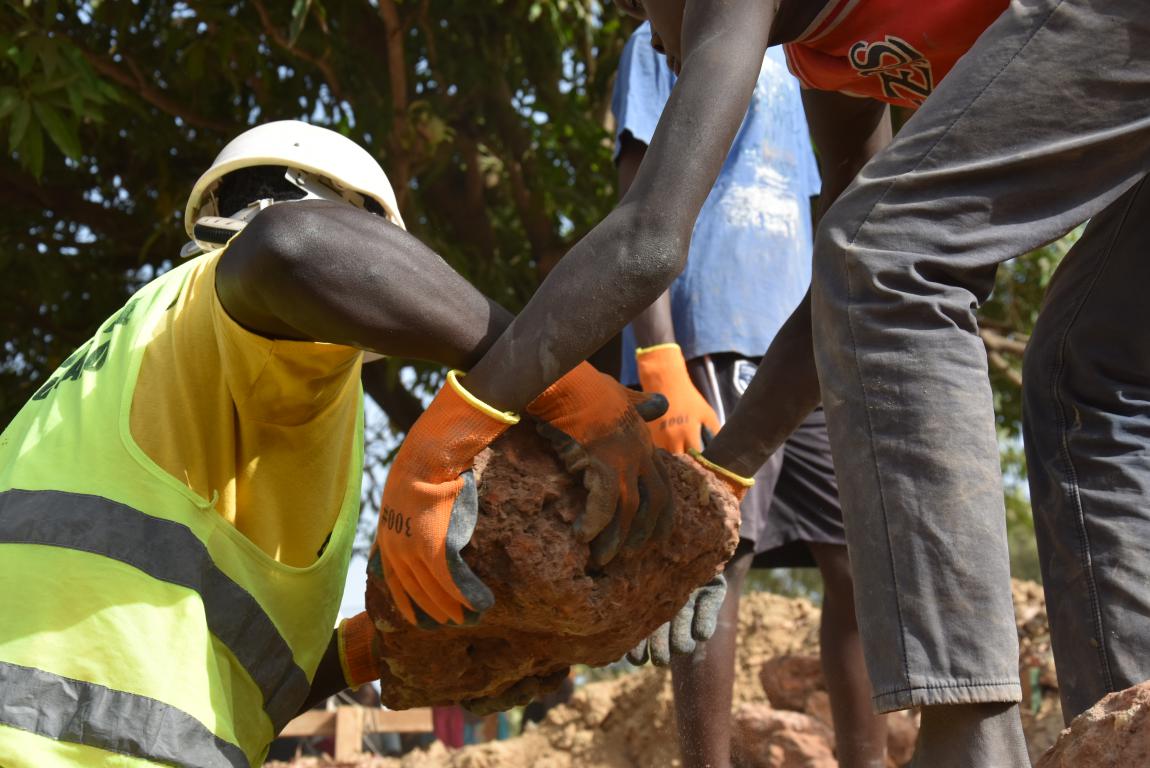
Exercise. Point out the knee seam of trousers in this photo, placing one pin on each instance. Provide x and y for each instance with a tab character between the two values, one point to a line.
1085	554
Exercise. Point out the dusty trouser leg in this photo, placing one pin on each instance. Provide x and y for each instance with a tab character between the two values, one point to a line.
1087	424
860	734
1042	125
704	681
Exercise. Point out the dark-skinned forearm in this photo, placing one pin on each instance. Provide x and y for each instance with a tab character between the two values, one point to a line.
329	272
782	394
609	277
654	325
626	262
328	679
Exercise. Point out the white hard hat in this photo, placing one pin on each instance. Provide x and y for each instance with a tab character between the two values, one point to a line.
336	160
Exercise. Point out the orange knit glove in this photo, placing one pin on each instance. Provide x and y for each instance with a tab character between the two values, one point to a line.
430	507
358	657
690	420
737	483
596	425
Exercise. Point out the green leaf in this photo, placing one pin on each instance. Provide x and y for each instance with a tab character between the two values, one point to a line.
76	96
298	18
32	151
320	14
50	58
9	100
30	49
49	12
20	120
53	84
62	132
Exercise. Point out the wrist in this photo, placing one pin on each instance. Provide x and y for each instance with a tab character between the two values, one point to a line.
507	418
568	394
737	480
357	653
451	432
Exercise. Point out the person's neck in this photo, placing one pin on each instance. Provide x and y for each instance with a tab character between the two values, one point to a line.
793	17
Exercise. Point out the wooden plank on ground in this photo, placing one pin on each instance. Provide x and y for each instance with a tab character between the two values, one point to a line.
348	732
403	721
348	724
314	722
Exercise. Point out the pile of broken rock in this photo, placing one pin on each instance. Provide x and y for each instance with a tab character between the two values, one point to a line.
781	714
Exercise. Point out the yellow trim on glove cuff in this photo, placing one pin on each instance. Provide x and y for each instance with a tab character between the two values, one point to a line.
746	482
503	417
356	658
666	345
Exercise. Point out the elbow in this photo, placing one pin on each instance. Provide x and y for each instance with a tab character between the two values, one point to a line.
656	246
266	262
280	239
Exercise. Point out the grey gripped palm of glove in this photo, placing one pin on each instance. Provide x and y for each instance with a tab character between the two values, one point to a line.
694	623
523	692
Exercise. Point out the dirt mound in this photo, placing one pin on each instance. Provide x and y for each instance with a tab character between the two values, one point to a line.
629	722
762	737
1041	707
1114	733
553	607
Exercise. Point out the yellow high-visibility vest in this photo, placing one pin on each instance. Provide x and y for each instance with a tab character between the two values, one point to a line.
137	626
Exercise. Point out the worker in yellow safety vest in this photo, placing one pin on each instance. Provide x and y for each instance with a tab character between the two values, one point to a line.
178	500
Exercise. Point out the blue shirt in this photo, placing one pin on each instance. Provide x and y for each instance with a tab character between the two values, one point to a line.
750	258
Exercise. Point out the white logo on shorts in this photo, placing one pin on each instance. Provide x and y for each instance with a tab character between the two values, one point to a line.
742	372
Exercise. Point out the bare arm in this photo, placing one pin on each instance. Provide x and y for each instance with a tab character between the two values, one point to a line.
847	132
330	272
653	325
625	262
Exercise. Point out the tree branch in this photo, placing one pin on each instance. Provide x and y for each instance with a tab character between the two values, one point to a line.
545	244
458	196
319	62
400	158
20	191
1004	367
999	343
402	407
139	84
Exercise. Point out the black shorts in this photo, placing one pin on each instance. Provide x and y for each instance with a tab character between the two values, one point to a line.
795	499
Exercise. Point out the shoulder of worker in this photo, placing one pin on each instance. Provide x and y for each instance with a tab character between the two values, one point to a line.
256	366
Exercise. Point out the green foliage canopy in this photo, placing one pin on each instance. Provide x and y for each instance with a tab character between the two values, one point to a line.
488	117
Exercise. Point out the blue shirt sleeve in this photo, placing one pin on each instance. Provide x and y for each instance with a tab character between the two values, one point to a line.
642	87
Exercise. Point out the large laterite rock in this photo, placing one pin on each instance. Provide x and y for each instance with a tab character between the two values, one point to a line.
552	608
1114	733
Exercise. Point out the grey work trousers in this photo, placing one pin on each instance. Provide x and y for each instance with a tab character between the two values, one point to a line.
1042	125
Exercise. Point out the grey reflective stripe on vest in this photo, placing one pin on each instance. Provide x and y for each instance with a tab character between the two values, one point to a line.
48	705
169	552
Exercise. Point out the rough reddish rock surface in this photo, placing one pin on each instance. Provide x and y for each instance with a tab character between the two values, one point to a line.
901	734
762	737
789	681
629	722
1114	733
795	682
552	608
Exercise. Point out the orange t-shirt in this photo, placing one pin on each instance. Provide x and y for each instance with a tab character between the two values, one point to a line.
895	51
